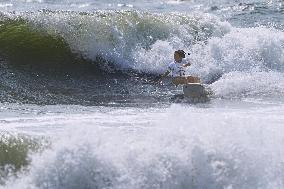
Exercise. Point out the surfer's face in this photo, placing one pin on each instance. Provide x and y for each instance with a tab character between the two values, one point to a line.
177	57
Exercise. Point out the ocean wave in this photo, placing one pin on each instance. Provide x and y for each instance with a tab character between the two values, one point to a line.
142	42
116	36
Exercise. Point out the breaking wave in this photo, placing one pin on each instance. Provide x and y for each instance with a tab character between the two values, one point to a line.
115	36
143	42
246	61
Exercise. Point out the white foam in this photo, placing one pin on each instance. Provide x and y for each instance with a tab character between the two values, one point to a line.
4	5
185	147
253	84
251	61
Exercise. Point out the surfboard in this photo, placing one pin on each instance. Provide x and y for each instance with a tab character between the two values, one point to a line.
193	93
194	90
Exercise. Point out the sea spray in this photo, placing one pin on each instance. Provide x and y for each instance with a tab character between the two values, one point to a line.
246	61
180	149
14	150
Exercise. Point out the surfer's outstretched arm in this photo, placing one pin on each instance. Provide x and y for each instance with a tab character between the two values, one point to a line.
161	77
186	65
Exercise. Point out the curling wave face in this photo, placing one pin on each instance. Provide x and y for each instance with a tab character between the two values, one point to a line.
117	36
143	42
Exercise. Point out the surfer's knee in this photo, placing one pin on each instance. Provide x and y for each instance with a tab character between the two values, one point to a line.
191	79
178	81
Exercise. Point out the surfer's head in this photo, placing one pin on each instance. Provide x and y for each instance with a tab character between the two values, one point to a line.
179	55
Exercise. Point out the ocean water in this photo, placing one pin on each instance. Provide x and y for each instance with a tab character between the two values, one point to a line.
79	109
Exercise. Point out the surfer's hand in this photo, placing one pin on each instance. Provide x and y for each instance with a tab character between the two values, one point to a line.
186	65
158	79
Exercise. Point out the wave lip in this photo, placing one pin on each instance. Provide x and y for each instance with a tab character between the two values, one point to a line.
122	37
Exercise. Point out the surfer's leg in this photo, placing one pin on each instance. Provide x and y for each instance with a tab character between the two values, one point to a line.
191	79
175	81
179	81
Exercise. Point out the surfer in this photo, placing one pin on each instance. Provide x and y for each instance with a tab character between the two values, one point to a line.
177	70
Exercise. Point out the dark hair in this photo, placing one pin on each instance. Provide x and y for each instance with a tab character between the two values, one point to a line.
181	53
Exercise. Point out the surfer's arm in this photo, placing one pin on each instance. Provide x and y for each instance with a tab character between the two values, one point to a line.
186	65
162	76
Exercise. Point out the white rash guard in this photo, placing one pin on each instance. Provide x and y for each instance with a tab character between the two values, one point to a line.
177	69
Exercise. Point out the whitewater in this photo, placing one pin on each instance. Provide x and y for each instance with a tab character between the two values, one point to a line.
78	108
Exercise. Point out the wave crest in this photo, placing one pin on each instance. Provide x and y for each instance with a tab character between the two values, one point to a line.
117	36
